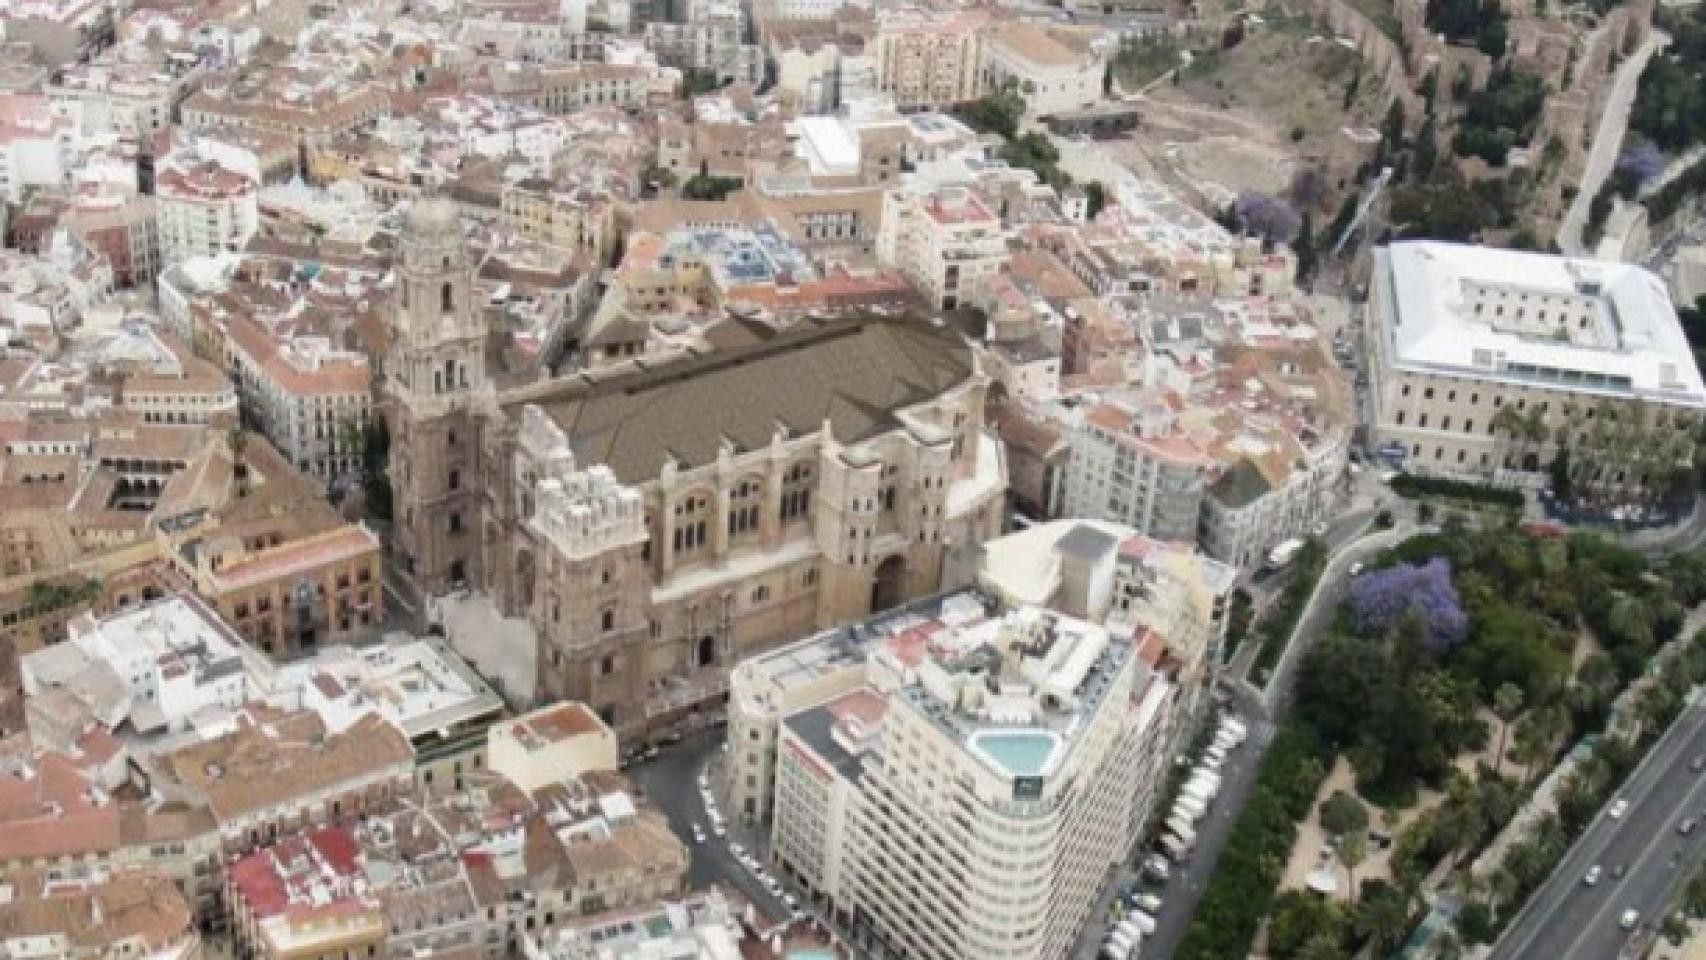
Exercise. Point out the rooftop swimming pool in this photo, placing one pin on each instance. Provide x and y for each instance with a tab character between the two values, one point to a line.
1019	753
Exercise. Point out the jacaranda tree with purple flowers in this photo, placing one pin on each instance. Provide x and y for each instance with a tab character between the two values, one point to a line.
1381	598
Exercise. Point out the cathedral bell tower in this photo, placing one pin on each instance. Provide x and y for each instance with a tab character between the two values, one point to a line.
436	377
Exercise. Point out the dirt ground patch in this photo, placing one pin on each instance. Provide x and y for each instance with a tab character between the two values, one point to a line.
1248	118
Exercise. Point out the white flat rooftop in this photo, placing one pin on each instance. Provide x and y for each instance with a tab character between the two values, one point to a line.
827	145
1563	323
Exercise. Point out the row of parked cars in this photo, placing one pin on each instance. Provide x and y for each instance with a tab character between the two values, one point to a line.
752	864
1138	909
1179	837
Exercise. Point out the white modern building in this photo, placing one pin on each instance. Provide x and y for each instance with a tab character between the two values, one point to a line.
1043	705
946	241
205	206
1006	741
1484	362
39	144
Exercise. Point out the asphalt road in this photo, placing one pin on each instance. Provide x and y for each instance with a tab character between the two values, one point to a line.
1179	895
670	782
1568	920
1184	888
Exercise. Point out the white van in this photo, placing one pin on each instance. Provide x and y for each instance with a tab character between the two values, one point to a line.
1144	922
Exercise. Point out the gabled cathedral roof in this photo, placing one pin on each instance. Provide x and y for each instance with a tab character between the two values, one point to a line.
854	372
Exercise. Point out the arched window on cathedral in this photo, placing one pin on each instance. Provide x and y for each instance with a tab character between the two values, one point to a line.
692	514
447	297
745	500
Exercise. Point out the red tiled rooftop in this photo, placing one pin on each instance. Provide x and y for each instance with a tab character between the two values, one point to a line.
256	880
337	847
565	721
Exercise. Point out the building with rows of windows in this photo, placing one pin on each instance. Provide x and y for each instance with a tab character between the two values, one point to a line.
1485	363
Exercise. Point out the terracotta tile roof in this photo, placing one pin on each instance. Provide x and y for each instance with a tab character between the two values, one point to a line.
272	759
310	553
52	814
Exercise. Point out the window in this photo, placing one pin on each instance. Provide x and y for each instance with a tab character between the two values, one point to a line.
455	521
760	594
447	298
745	500
1428	394
454	481
692	514
607	666
1468	426
796	491
607	620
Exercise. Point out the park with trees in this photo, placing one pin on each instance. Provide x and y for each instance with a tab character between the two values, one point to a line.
1459	667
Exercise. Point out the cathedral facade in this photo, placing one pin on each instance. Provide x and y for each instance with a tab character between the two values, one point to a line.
657	521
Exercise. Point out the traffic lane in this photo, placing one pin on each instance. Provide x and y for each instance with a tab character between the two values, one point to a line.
1662	793
671	781
1606	842
1645	890
1185	889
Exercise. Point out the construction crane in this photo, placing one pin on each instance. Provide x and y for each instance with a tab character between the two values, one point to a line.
1368	199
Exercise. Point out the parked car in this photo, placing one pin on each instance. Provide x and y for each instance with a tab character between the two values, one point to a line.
698	833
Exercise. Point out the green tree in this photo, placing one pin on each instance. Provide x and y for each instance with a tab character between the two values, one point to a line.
1383	918
1304	248
1475	922
1323	946
1507	704
1343	814
997	112
1353	850
1096	198
375	467
1559	469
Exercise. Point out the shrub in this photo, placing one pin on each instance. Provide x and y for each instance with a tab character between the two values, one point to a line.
1413	485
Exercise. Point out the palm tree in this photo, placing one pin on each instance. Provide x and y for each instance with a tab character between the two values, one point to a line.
1322	946
1383	919
1534	426
1353	850
1507	703
1507	428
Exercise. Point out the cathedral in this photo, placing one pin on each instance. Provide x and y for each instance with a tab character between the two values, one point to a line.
658	520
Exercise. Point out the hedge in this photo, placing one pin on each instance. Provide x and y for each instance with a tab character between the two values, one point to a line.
1413	486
